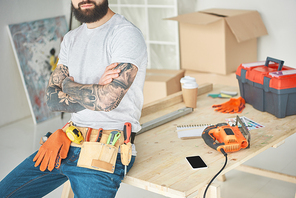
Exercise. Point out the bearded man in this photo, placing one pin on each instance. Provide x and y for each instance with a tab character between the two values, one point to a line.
99	80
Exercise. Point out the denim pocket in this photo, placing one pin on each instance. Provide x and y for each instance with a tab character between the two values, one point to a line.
74	154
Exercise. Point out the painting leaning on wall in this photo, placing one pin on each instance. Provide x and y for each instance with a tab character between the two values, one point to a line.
36	45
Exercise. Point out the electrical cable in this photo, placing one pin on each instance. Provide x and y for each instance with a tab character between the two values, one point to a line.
225	154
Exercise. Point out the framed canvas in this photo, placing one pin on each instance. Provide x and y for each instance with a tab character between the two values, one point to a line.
36	46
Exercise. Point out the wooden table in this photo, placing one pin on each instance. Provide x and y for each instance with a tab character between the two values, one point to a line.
161	167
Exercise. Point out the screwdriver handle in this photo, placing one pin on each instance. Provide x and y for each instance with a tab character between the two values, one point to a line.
127	131
99	135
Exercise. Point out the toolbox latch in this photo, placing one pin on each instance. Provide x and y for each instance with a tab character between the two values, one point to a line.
266	86
243	76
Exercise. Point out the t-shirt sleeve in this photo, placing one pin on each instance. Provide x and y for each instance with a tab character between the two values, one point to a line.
63	55
128	46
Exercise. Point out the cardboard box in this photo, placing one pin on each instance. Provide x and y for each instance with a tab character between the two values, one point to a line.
219	40
161	83
203	77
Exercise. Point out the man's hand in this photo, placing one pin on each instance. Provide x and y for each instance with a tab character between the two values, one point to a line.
71	78
109	74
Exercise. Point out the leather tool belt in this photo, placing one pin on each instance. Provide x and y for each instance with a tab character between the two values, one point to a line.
100	155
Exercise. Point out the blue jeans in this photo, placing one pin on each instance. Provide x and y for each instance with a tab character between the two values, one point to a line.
26	180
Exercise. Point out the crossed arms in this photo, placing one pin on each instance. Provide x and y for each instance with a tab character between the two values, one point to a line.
65	95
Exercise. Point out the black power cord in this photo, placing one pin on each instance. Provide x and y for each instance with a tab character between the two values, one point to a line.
225	154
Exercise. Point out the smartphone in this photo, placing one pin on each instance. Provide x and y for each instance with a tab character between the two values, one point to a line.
196	162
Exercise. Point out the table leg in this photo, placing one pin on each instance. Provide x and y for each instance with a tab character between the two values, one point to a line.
267	173
67	190
221	178
214	191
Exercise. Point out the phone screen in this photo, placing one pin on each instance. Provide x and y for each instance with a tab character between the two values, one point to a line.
196	162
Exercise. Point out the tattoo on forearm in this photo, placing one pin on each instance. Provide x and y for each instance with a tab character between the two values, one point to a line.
102	98
57	100
59	74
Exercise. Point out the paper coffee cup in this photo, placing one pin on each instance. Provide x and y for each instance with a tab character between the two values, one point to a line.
189	91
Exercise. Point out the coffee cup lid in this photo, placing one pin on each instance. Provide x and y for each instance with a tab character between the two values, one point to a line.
187	79
190	85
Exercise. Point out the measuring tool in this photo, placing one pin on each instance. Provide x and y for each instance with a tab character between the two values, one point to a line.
74	134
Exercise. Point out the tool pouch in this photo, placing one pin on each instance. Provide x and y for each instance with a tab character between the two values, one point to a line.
126	153
100	155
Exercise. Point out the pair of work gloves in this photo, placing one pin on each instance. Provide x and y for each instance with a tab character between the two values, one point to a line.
53	151
234	105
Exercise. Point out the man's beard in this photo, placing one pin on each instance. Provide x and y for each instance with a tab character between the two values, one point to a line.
90	15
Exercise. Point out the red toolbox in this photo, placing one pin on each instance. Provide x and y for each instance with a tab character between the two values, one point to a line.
268	86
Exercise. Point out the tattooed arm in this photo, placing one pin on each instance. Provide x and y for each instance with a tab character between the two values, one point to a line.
102	98
57	100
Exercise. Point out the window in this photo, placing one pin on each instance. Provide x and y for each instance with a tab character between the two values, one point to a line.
161	35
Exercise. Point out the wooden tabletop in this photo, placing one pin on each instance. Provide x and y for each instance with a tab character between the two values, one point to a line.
161	166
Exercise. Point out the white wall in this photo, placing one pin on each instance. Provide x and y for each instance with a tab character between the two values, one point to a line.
279	18
13	101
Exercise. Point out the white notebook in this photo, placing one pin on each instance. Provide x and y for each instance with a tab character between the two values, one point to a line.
191	131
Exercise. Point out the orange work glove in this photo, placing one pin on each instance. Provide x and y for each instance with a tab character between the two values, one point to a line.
234	105
53	151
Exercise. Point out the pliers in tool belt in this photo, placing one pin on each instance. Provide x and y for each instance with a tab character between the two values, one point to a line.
99	136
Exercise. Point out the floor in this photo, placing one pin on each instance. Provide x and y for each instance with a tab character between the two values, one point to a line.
22	138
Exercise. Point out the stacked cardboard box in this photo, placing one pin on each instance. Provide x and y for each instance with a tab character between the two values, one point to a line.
161	83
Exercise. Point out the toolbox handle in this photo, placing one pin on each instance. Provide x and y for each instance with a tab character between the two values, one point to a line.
280	62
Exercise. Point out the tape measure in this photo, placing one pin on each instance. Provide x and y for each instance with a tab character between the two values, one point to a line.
74	134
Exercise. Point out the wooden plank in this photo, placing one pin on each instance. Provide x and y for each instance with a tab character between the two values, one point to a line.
267	173
172	100
278	144
204	88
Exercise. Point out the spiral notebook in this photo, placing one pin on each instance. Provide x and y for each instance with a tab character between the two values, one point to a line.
191	131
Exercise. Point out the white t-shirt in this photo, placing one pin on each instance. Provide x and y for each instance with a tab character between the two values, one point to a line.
87	52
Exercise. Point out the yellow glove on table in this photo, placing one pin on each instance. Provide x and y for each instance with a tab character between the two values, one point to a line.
53	151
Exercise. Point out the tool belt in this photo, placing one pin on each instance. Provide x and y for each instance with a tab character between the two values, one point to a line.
100	155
